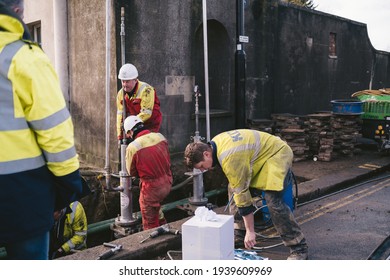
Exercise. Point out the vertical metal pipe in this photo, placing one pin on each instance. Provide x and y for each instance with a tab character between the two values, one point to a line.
122	34
240	67
197	175
197	137
198	189
123	61
126	197
107	167
373	64
198	197
206	69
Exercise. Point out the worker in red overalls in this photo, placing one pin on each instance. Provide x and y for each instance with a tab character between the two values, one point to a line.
147	157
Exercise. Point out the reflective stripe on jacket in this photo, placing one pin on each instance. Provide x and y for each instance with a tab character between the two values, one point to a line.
144	103
147	157
35	124
252	159
75	228
36	136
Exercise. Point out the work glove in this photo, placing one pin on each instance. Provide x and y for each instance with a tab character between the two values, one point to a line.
125	141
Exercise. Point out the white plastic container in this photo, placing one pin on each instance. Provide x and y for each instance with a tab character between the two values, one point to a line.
208	240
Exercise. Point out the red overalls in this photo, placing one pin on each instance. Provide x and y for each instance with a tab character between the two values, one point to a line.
147	157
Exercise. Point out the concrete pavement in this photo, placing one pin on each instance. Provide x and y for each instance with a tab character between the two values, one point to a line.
317	178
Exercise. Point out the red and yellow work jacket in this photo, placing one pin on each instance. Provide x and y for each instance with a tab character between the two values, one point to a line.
147	157
144	103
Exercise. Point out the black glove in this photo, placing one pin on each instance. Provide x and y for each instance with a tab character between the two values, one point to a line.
69	188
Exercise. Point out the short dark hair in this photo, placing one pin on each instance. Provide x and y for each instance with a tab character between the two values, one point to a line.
193	153
12	3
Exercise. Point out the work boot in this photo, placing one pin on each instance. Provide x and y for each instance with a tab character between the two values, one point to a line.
299	253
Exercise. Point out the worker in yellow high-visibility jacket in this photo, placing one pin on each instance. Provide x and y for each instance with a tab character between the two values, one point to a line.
69	233
39	165
253	161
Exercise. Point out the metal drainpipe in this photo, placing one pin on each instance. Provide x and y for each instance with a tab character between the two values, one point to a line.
240	67
206	69
107	167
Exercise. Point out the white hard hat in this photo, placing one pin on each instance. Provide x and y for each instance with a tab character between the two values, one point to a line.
128	72
130	122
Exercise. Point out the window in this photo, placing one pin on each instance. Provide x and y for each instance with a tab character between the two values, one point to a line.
332	45
35	31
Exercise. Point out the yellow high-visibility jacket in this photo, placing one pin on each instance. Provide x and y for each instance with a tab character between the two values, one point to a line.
37	153
75	228
36	127
252	159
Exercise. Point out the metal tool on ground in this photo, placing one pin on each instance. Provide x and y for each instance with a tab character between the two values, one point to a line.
114	248
160	231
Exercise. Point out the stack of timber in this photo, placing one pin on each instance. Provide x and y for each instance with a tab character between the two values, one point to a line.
325	149
265	125
290	128
320	134
346	128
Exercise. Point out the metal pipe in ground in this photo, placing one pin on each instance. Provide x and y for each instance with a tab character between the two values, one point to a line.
101	226
198	188
126	198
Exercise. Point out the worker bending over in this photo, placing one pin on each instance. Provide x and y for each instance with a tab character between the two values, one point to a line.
38	158
254	161
147	157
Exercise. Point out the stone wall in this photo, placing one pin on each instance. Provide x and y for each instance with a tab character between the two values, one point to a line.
288	65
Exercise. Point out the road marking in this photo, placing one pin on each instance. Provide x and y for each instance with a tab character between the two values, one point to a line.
330	207
369	166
